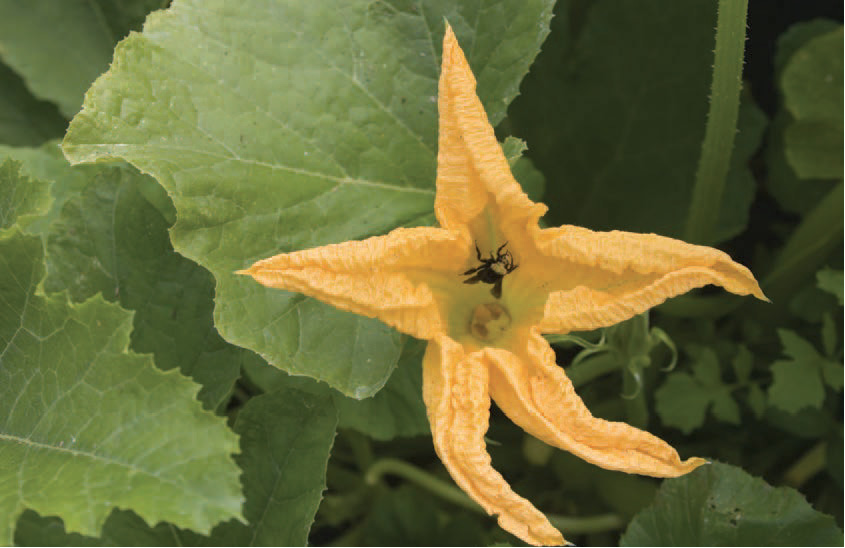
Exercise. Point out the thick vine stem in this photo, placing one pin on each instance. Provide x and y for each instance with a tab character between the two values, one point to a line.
719	133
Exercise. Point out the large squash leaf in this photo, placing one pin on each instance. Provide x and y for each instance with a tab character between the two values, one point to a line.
86	425
286	125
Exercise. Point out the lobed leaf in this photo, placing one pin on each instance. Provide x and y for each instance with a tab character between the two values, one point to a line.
682	400
289	125
798	381
90	425
21	198
111	238
812	93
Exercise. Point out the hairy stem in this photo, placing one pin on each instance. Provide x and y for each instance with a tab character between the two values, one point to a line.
447	491
719	133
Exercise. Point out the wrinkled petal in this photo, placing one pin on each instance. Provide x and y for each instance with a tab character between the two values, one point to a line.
603	278
385	277
455	390
535	393
472	171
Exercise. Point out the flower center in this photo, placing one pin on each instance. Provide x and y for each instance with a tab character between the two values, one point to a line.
489	321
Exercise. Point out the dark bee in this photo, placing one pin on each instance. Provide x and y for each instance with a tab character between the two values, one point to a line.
492	270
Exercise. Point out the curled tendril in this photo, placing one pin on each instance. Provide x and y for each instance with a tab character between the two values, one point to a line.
579	341
636	374
657	335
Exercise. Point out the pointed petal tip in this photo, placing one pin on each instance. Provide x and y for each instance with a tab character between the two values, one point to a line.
691	464
252	270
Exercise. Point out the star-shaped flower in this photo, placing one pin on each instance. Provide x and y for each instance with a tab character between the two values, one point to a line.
485	286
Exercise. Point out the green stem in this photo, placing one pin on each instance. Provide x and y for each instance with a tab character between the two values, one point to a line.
721	121
444	490
420	478
811	463
592	368
808	247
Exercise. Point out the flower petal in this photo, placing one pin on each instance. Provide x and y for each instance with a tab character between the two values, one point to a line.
387	277
455	393
608	277
535	393
472	171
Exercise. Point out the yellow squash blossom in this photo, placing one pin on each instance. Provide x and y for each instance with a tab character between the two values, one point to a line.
484	287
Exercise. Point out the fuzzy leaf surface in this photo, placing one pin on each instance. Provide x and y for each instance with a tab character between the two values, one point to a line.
111	238
21	197
86	425
288	125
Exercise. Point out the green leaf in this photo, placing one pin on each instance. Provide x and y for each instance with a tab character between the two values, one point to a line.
829	333
286	437
121	432
814	149
532	181
112	238
24	120
832	374
61	47
624	125
812	93
812	79
742	363
792	194
757	400
46	163
122	528
721	505
796	36
831	281
725	408
796	347
681	402
706	366
797	382
21	197
795	386
396	410
273	130
513	149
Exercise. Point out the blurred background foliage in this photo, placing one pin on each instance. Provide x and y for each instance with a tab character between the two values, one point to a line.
622	85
